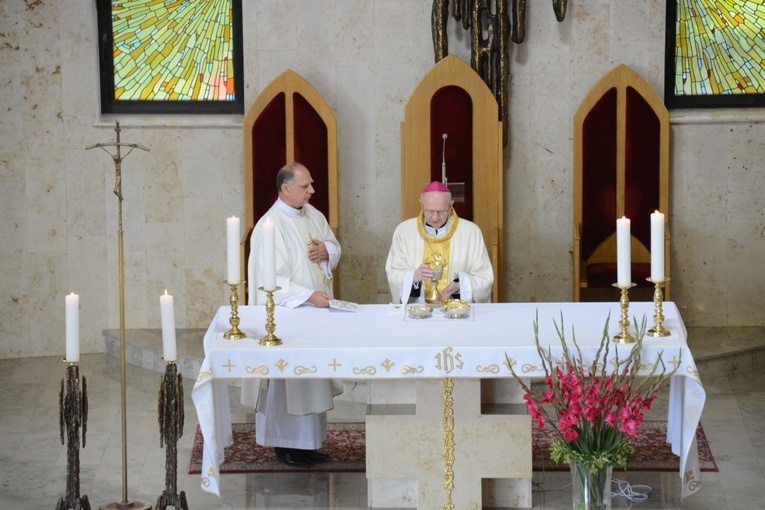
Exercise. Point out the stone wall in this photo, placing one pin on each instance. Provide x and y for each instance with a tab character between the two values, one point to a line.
59	216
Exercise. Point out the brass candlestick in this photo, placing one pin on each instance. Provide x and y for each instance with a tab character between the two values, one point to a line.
73	416
658	318
625	337
170	430
270	339
234	333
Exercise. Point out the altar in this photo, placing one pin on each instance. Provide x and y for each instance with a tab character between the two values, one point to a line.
381	343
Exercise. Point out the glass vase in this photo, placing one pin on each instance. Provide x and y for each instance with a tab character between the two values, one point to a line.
590	490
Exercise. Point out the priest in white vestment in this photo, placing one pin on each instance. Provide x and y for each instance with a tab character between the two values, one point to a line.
291	414
437	236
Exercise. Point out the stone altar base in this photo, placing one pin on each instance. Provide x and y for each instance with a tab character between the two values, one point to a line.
405	445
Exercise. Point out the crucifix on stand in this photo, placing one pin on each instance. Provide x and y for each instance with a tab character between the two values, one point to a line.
125	504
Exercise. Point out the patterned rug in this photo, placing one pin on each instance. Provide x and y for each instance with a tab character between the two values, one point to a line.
346	443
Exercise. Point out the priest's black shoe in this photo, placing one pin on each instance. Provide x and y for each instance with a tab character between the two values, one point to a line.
316	456
293	457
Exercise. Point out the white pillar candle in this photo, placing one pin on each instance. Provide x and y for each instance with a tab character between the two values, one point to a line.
623	255
232	244
167	312
269	255
657	247
73	327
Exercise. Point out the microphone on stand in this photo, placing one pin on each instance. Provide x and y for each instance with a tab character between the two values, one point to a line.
443	160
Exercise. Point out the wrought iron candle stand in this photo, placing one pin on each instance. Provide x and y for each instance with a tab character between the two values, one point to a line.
234	333
170	430
73	417
270	339
659	330
624	337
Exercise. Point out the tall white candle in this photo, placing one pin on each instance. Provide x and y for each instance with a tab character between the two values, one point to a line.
73	327
657	247
623	256
167	312
269	255
232	245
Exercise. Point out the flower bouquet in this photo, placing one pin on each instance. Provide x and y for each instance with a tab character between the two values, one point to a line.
598	406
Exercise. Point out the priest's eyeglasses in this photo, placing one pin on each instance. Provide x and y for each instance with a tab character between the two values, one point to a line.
436	212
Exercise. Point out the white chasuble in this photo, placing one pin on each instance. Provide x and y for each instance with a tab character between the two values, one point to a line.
468	261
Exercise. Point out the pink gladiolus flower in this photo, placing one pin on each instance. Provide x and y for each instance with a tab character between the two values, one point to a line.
629	427
570	434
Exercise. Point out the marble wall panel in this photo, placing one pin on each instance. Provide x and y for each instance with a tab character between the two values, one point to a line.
205	293
87	268
78	57
272	63
13	206
165	270
354	22
277	24
316	27
15	308
203	238
746	245
45	190
47	271
356	141
706	302
135	305
86	179
11	24
226	166
365	58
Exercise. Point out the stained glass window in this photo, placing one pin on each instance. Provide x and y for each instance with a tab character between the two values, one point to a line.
171	56
715	53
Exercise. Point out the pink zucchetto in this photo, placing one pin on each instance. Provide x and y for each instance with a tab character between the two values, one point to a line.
436	186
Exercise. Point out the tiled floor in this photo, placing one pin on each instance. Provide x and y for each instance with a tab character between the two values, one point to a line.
33	461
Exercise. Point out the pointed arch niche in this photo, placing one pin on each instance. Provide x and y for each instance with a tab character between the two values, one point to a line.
621	168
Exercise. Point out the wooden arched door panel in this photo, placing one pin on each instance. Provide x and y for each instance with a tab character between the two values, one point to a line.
288	121
451	98
621	168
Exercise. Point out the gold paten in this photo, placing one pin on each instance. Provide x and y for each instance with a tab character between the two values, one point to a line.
420	311
450	304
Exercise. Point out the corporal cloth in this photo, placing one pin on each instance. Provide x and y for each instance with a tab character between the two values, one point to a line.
468	260
291	413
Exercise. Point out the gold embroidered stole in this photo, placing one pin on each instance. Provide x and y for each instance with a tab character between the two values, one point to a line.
320	279
437	248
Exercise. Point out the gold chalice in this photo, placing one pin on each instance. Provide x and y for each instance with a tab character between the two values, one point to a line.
432	294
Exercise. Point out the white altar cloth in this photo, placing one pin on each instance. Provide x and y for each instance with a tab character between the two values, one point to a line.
377	343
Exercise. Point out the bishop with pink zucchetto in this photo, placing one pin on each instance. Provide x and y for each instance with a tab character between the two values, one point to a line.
436	186
438	243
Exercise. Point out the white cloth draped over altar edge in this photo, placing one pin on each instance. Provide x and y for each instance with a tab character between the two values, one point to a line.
377	343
